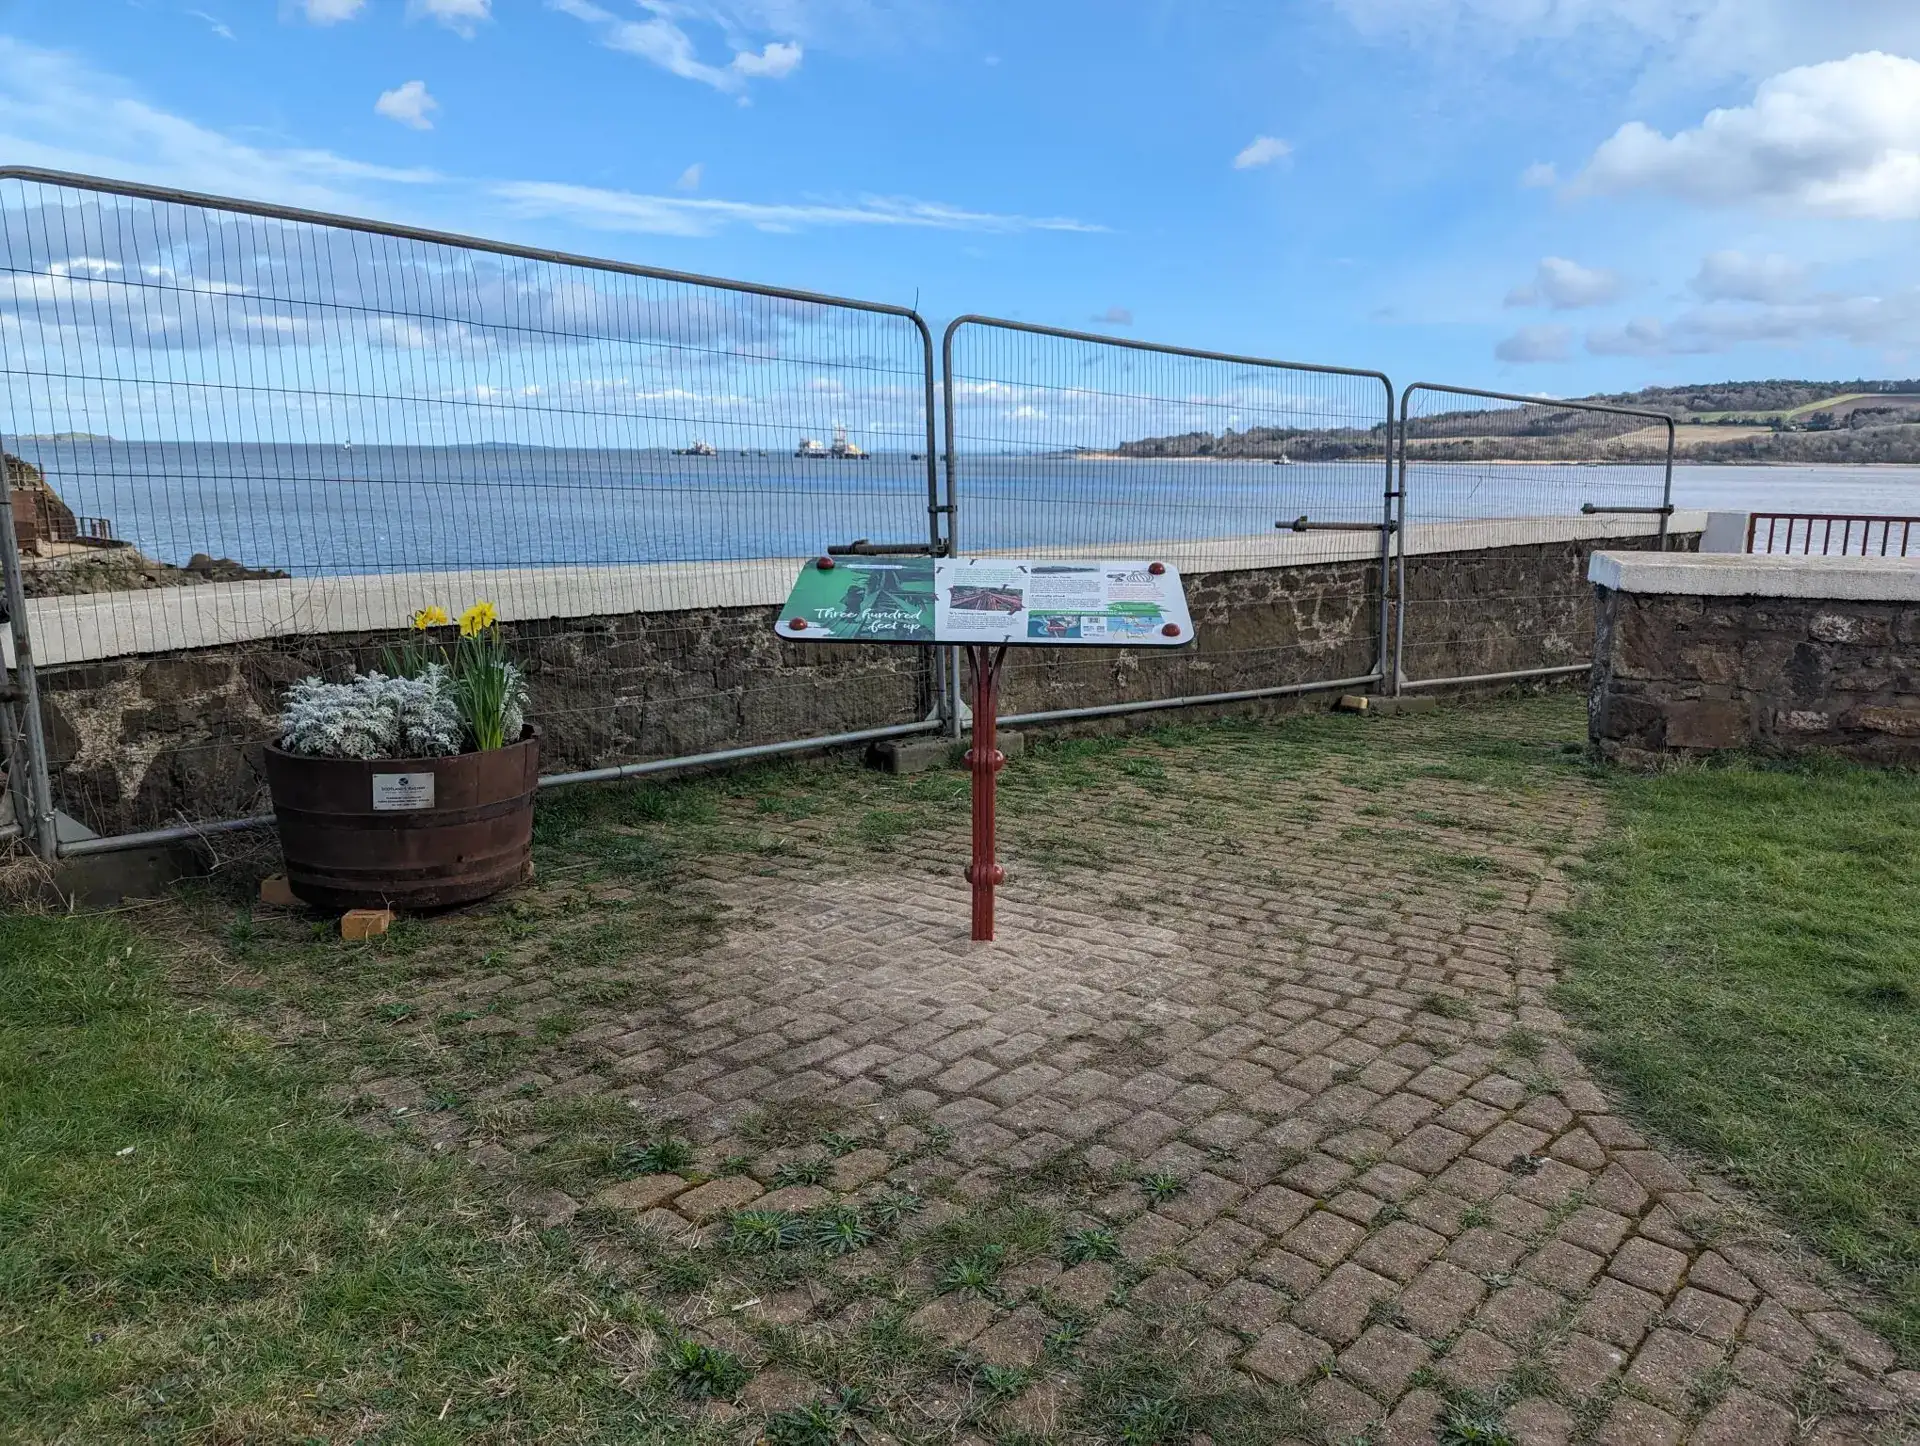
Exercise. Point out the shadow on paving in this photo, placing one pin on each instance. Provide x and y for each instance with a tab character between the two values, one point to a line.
1255	1123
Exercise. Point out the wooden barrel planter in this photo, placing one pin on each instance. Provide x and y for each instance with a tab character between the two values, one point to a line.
405	833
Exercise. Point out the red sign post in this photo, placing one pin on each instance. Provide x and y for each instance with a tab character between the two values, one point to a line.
984	761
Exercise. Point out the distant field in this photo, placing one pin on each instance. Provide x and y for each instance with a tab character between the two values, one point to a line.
1841	406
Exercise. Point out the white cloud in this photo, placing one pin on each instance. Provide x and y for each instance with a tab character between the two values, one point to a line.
776	60
1867	321
1567	285
691	216
660	40
1540	174
1838	139
409	104
331	12
1735	276
460	16
1114	316
59	113
214	23
690	178
1536	344
1262	151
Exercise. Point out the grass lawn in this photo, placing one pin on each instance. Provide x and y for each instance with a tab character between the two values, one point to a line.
1747	958
194	1245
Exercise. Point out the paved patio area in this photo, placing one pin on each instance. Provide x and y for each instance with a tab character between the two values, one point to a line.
1262	1078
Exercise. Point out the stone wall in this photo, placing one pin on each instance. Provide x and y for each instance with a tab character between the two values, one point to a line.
1679	674
145	742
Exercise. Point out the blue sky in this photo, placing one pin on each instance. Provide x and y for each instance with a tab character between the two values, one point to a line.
1540	195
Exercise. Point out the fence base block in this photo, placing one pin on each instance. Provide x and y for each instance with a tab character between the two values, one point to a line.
102	881
922	755
1381	706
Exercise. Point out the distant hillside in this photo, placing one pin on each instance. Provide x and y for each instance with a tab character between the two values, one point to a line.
1770	421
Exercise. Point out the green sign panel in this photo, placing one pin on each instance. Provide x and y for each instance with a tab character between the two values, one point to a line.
988	600
861	599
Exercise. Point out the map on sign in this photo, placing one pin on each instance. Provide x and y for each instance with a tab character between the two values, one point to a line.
988	600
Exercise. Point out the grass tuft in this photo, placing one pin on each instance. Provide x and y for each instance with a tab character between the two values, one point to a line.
703	1370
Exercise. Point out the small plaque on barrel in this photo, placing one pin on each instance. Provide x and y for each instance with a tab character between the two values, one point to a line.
402	792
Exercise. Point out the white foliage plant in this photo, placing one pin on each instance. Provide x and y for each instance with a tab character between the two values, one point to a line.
375	716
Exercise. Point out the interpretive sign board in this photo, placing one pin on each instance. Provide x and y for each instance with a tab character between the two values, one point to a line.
986	605
992	601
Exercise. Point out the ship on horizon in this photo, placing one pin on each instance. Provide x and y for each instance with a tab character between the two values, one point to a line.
697	449
842	450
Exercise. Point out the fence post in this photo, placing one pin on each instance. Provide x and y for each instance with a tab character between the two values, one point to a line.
37	794
1666	494
954	691
1383	662
1399	435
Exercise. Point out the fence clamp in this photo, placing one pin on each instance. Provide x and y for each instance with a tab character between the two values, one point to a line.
1302	524
864	548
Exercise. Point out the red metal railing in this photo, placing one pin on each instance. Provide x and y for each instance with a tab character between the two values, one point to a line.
1833	534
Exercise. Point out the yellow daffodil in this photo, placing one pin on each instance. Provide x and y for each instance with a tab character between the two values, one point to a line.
430	616
477	619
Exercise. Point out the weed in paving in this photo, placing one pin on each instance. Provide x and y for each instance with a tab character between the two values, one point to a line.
976	1272
890	1207
760	1232
703	1370
1091	1243
839	1230
839	1142
786	1123
1471	1420
663	1156
1447	1006
806	1171
1161	1186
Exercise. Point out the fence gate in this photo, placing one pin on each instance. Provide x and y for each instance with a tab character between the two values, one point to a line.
278	433
1068	444
1483	470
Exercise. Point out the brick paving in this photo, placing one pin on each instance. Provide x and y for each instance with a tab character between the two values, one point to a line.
1320	1005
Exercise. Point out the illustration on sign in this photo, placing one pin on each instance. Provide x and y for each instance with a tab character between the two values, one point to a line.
989	600
875	601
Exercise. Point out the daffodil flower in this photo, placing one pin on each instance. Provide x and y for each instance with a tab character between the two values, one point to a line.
431	616
477	619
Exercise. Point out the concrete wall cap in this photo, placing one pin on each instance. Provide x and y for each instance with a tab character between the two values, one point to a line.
1850	579
88	627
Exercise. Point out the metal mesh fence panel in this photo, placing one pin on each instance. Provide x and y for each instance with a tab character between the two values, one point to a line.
1265	482
256	440
1541	481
